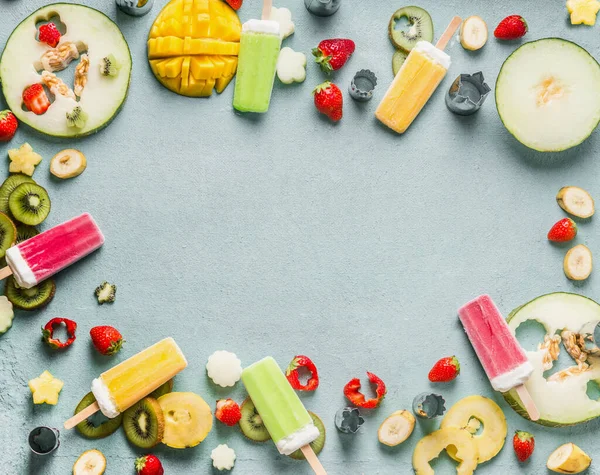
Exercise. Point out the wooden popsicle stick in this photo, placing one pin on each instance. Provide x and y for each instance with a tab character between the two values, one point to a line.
266	12
527	401
82	415
445	38
5	272
313	460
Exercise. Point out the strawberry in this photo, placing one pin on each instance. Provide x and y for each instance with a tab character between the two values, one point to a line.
235	4
107	340
35	99
445	370
49	34
351	391
329	100
149	465
291	373
48	333
523	443
228	412
511	28
331	55
563	231
8	125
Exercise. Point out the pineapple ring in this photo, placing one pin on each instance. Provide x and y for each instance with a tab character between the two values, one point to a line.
431	445
491	439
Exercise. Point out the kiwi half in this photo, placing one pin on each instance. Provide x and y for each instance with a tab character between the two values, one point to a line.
317	444
97	426
398	60
36	297
9	186
29	203
144	423
162	390
419	28
251	423
25	232
8	234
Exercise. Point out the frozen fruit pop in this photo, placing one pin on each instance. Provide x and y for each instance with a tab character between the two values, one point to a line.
125	384
42	256
416	81
257	63
280	408
498	350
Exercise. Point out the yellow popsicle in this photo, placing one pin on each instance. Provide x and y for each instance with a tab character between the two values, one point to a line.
122	386
418	78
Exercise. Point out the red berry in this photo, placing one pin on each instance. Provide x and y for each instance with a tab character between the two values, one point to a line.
563	231
49	34
149	465
352	392
8	125
523	443
107	340
329	100
332	54
445	370
35	99
48	333
228	412
235	4
292	375
511	28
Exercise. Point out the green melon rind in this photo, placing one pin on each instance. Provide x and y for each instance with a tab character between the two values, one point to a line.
116	111
511	397
513	55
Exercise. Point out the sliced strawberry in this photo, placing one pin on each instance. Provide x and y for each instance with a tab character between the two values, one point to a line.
35	99
235	4
49	34
292	375
48	333
352	392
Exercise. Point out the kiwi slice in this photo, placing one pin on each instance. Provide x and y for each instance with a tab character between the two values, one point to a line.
162	390
419	27
144	423
97	426
317	444
398	60
8	234
9	186
29	203
251	423
36	297
25	232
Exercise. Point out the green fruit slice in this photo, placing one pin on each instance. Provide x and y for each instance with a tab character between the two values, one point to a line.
548	94
101	98
317	444
29	203
144	423
9	186
36	297
561	401
251	423
25	232
419	27
8	234
96	426
398	60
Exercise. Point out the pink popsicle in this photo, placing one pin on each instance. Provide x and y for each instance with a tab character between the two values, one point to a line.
44	255
499	352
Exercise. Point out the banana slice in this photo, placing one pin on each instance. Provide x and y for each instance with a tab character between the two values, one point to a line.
68	163
396	428
91	462
578	263
575	201
473	33
568	458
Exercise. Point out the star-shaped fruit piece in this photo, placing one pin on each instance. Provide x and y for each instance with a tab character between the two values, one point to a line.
583	11
45	389
23	159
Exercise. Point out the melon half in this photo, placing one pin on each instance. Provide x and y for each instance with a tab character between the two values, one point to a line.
94	34
548	94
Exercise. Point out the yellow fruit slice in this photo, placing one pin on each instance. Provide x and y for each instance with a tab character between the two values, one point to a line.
188	419
473	33
23	159
576	201
493	435
578	263
430	446
45	389
568	458
91	462
68	163
222	83
396	428
583	11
